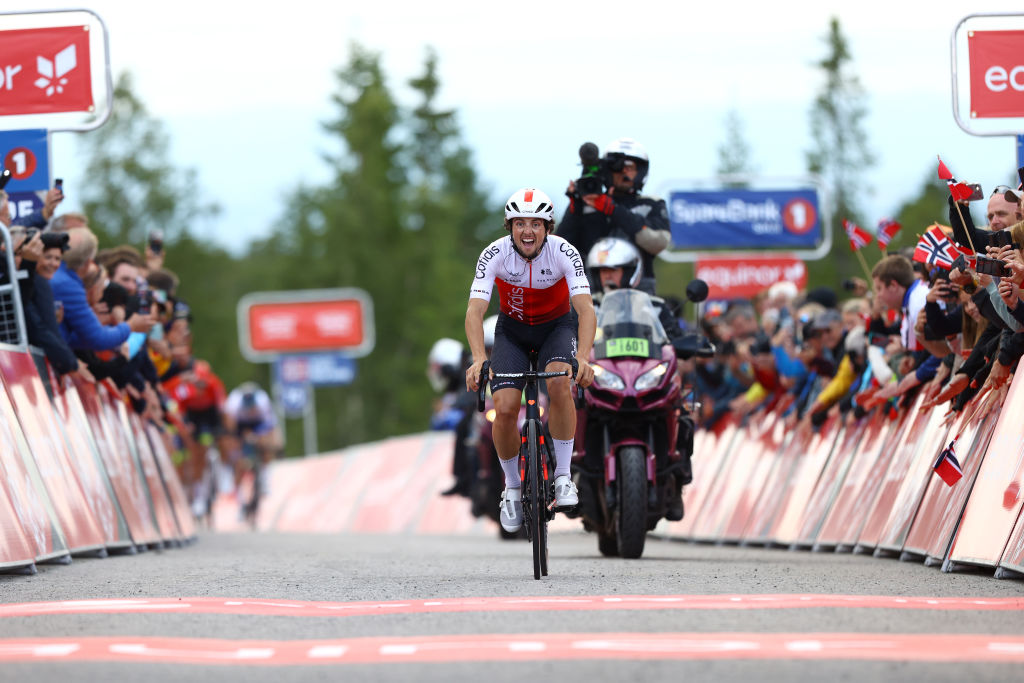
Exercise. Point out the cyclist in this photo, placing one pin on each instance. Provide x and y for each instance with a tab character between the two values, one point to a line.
539	277
249	417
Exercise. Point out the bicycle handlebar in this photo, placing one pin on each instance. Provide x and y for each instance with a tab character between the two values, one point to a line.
485	377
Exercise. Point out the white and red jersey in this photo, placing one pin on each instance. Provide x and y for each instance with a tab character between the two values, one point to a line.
535	291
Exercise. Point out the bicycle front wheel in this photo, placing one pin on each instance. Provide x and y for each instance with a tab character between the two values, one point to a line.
538	513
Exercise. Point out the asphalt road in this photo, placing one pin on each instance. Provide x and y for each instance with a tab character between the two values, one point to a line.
682	639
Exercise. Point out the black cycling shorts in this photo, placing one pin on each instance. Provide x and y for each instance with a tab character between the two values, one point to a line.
555	342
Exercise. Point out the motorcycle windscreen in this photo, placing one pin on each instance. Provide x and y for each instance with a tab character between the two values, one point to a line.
628	325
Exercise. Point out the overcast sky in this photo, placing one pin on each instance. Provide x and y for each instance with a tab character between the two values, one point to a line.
243	93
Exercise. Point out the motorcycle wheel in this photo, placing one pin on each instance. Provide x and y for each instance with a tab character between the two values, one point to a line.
631	511
608	544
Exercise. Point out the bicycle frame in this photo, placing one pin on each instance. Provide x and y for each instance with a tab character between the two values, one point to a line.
534	453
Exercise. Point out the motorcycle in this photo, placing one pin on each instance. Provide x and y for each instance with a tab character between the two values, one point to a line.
636	431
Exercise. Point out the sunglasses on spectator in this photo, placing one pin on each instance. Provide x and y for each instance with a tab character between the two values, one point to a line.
1002	189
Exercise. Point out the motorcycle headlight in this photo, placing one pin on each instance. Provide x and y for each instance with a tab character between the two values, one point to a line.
651	378
607	379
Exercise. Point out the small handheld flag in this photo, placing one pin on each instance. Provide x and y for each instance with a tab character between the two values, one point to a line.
960	191
859	237
935	249
887	229
947	466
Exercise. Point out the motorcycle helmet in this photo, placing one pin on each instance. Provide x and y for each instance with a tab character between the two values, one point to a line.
628	148
615	252
530	203
444	364
490	324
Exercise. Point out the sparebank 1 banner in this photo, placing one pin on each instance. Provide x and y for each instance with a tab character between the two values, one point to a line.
745	219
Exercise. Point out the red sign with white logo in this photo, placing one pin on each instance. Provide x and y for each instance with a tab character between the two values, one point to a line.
45	71
997	73
743	277
306	321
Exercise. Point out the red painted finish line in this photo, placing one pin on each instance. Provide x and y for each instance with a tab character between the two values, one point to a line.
527	646
302	608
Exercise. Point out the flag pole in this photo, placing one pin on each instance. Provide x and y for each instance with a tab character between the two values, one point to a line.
864	264
964	223
960	212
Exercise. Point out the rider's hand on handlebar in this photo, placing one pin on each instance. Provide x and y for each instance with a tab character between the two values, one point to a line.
585	374
473	375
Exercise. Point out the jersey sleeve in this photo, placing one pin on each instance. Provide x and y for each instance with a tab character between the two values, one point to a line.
486	265
573	269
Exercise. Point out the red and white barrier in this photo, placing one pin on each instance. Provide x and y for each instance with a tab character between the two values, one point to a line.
78	473
868	485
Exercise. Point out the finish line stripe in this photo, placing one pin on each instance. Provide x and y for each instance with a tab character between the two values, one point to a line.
302	608
524	647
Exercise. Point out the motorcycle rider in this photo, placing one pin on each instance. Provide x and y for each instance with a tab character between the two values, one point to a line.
622	211
614	263
540	277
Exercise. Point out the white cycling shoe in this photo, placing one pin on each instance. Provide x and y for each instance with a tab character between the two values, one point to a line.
566	495
511	510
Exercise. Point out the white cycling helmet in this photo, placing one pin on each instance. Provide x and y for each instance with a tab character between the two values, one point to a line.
628	148
444	363
490	324
615	252
530	203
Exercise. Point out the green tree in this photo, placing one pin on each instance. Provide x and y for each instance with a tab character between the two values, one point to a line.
734	152
840	151
132	185
402	219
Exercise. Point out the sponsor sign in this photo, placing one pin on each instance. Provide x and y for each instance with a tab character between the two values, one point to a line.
26	154
319	369
277	323
997	73
745	219
45	71
742	277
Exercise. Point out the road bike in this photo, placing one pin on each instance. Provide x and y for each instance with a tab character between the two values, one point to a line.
536	464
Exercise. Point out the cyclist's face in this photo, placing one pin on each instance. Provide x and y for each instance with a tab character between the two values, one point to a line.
528	234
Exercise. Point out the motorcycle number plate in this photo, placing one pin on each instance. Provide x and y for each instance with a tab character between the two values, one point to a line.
626	346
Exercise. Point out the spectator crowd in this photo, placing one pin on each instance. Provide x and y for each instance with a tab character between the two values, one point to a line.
949	313
113	314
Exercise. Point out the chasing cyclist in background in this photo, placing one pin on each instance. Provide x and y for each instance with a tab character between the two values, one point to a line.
249	417
539	277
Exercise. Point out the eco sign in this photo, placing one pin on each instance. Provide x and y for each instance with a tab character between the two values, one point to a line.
997	73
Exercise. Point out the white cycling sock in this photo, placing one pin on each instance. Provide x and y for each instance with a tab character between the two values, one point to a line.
563	456
511	469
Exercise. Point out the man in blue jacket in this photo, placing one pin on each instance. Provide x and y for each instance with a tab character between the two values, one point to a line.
80	327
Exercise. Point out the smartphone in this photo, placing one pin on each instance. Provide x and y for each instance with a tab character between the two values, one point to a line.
5	177
991	266
943	274
976	192
59	184
1000	238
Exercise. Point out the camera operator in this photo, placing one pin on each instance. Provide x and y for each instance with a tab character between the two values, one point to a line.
620	211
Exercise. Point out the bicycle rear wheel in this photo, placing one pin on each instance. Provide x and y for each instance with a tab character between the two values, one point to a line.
538	512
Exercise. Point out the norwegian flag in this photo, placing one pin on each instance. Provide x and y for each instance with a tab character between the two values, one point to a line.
960	191
859	237
887	229
947	466
935	249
